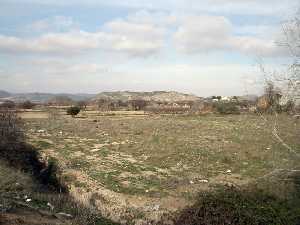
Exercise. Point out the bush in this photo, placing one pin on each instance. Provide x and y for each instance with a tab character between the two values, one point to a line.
82	104
10	129
289	107
227	108
73	111
27	105
235	206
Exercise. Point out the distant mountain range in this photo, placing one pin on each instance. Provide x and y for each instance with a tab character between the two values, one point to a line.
41	97
163	96
4	94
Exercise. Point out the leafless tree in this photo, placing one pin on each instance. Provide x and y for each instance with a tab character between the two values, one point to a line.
82	104
289	78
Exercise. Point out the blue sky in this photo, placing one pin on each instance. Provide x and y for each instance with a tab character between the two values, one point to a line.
204	47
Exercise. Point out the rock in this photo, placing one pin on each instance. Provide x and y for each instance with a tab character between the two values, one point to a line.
203	181
191	182
156	207
28	200
41	131
63	216
228	171
50	206
297	117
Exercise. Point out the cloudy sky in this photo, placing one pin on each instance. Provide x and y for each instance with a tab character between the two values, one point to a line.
204	47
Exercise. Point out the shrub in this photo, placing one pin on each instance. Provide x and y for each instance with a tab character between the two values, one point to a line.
227	108
27	105
10	129
289	107
82	104
73	111
235	206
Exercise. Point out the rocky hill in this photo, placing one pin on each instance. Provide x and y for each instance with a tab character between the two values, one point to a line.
163	96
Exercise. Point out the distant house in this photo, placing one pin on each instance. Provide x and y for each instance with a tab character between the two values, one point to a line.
220	98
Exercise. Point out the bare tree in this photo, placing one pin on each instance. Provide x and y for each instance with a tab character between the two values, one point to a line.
289	79
82	104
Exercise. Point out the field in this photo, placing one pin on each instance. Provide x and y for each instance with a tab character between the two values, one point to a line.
136	167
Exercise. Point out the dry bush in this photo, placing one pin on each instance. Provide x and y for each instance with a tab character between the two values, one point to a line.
26	105
11	133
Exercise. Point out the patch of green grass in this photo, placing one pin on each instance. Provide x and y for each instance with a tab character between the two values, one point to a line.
109	179
43	144
78	163
104	152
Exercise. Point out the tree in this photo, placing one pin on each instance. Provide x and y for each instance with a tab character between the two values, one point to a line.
138	104
273	96
73	110
27	105
82	104
289	79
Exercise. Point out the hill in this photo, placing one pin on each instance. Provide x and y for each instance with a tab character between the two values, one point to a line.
4	94
163	96
41	97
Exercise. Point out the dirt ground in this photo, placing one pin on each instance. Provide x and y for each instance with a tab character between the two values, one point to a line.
139	167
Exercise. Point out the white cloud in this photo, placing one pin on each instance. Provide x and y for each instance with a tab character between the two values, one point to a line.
198	34
135	39
117	36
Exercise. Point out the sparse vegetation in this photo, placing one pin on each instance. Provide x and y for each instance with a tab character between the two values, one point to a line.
244	206
27	105
73	110
161	157
227	108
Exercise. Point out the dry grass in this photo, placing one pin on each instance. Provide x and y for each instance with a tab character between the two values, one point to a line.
151	163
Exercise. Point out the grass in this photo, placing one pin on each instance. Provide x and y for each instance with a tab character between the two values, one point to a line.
241	207
15	185
165	156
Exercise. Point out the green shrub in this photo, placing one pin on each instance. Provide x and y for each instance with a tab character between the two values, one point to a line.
73	111
27	105
227	108
234	206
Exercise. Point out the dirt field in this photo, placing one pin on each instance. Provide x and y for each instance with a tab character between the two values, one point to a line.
137	167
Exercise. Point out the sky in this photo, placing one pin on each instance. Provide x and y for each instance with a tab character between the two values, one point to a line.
204	47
